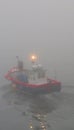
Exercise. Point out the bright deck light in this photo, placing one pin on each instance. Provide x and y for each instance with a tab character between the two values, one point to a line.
33	58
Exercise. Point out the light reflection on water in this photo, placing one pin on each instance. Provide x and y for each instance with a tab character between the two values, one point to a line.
38	107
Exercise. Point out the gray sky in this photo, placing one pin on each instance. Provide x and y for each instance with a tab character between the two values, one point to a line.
45	27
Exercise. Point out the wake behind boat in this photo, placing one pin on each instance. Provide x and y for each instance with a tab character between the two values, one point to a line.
34	80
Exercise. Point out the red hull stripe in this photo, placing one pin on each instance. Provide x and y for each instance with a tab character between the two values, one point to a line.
9	77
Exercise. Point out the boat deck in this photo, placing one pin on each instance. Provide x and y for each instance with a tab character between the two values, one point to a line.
32	79
38	81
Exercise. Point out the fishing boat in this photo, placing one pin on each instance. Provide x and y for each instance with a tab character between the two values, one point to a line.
34	80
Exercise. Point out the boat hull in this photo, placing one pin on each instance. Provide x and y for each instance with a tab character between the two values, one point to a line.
50	86
40	90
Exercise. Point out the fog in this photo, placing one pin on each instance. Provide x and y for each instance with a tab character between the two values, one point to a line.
43	27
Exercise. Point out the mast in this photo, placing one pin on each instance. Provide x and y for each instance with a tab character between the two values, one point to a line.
19	63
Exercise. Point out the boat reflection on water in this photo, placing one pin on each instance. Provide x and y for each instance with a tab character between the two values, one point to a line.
36	107
41	107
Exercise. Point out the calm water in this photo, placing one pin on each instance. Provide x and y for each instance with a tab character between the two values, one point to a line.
43	112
